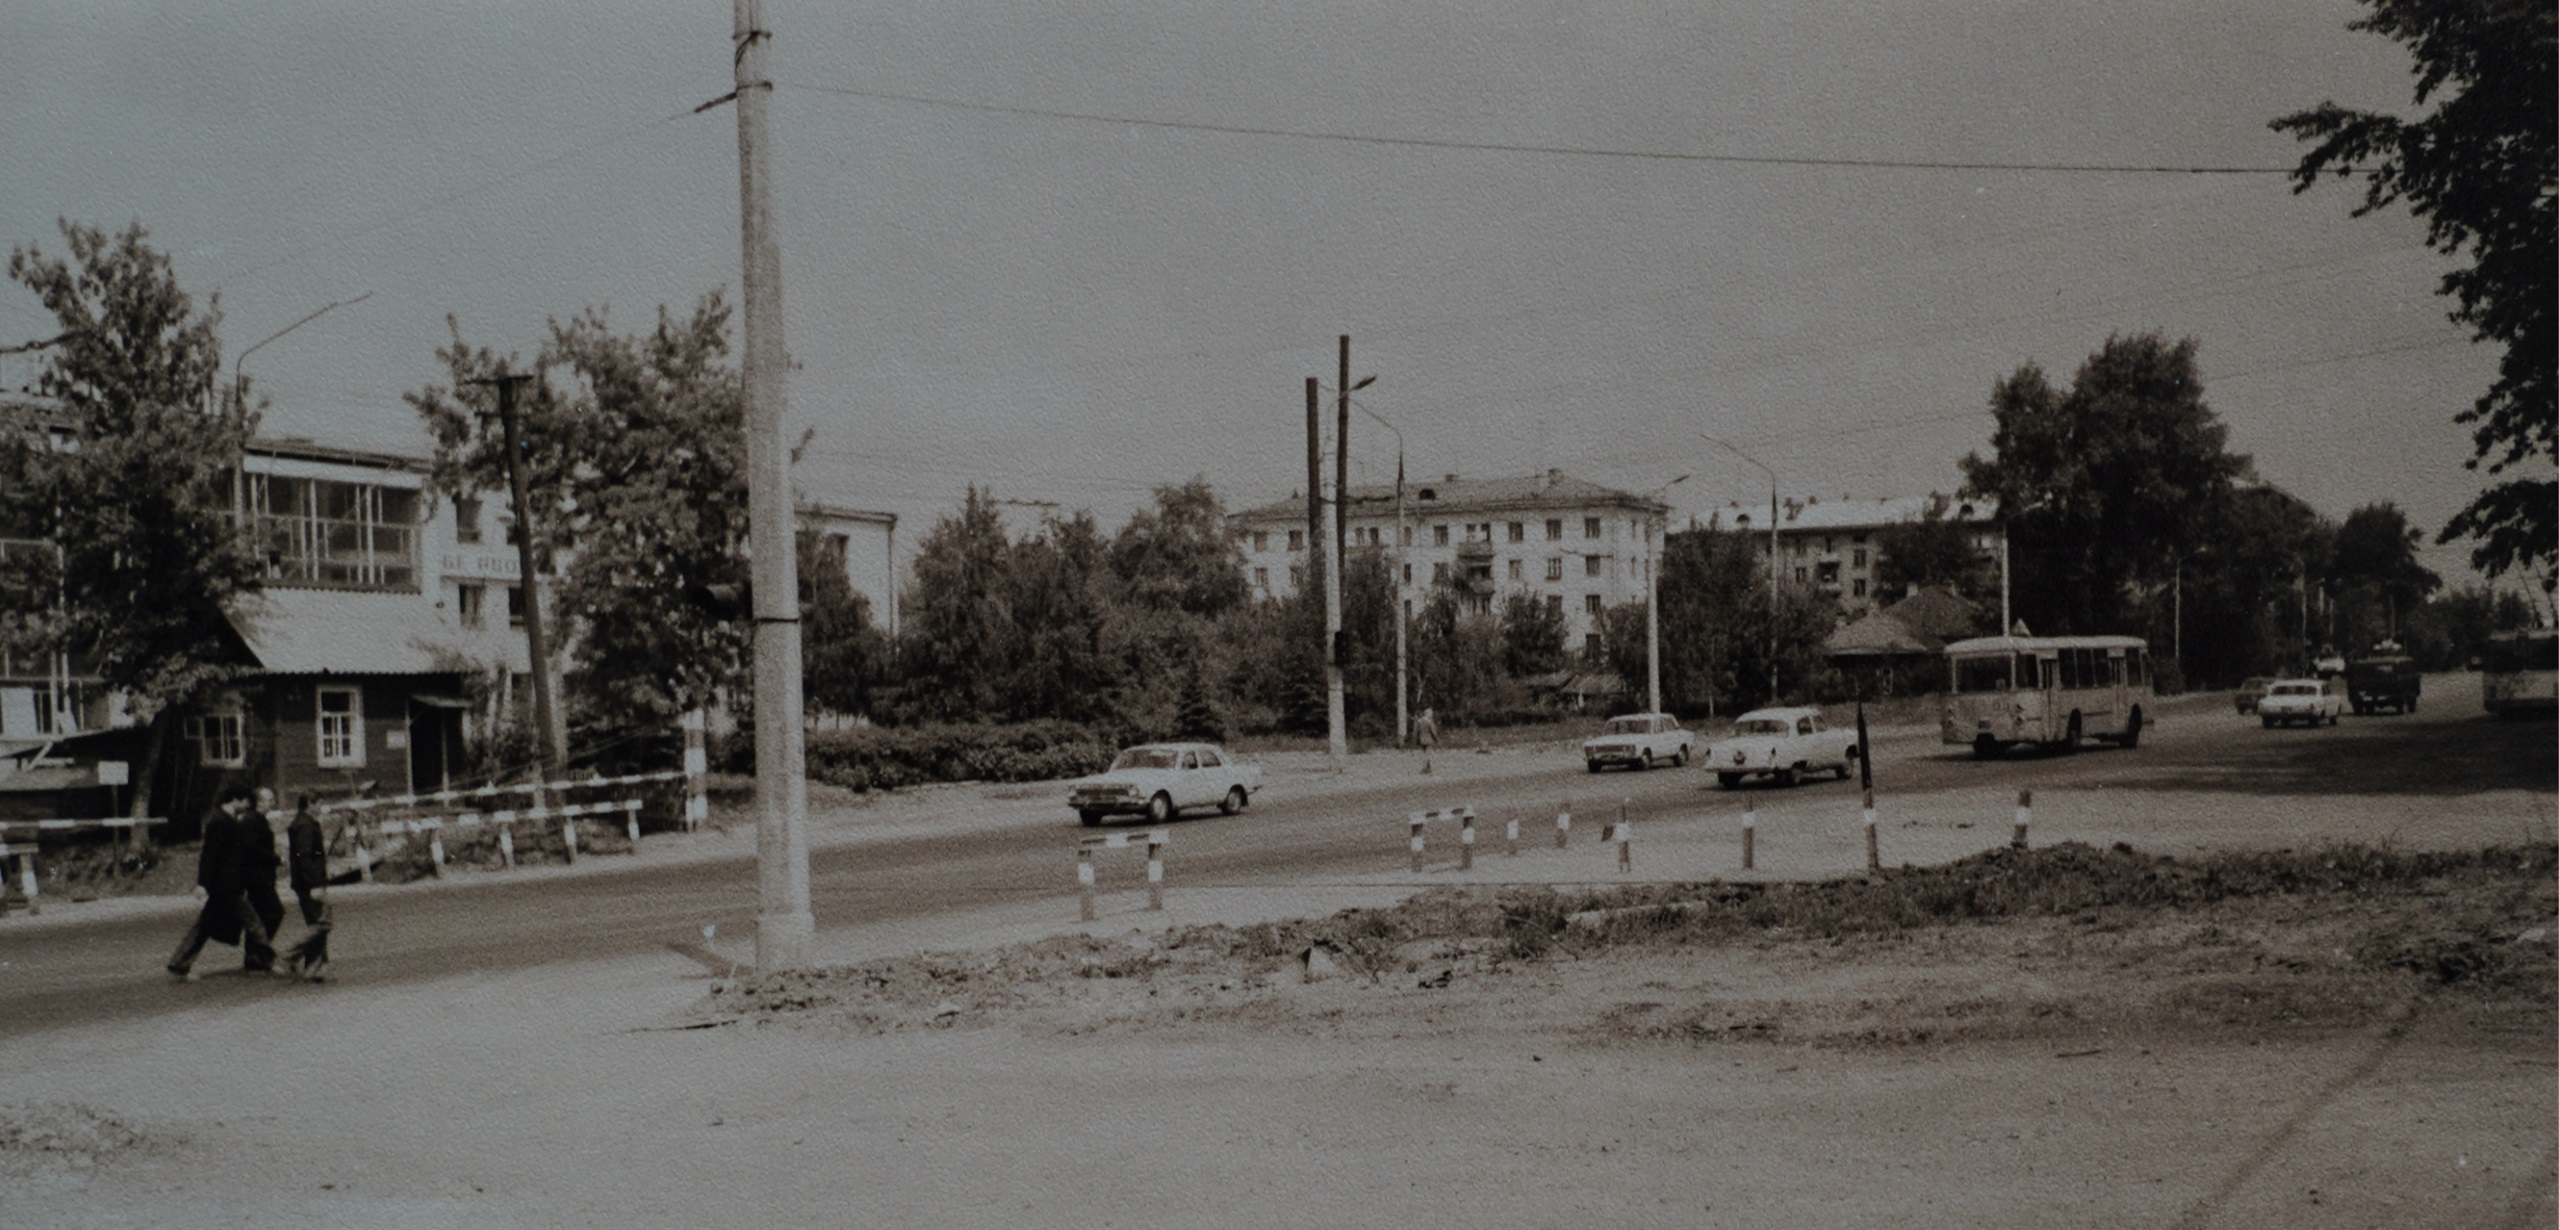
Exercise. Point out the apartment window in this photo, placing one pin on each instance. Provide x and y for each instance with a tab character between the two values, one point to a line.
514	606
1262	579
1555	569
466	518
1408	574
341	728
220	738
1555	605
1857	538
318	531
1519	531
1799	548
1590	565
1858	557
1830	544
468	603
1261	540
1590	646
1407	532
1516	573
1555	529
1858	587
1439	574
1830	572
1590	604
1800	576
1590	527
1439	535
1297	540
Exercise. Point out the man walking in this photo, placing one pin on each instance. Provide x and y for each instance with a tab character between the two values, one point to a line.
306	862
232	856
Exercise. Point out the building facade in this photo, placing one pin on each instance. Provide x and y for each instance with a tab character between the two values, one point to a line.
1576	546
1835	545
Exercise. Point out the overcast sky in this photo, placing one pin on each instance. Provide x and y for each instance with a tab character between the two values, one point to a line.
982	288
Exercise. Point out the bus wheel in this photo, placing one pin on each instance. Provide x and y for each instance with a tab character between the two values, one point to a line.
2070	734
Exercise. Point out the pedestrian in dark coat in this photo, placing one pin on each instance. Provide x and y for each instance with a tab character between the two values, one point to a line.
225	865
306	862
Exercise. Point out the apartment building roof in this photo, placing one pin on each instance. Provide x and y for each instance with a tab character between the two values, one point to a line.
1552	490
1856	514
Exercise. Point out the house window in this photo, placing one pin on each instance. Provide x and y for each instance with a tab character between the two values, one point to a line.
468	602
1830	572
1261	540
1439	535
1297	540
1590	565
1554	529
220	739
318	531
1262	579
1555	569
1590	604
515	606
466	518
1519	531
1516	573
341	728
1590	527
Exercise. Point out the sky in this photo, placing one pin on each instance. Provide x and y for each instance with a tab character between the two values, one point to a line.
1069	253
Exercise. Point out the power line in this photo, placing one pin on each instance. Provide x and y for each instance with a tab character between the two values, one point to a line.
1576	151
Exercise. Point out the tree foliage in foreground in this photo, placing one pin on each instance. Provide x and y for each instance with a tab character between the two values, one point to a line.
2482	170
129	471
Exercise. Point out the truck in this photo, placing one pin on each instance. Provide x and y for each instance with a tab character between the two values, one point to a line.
2382	680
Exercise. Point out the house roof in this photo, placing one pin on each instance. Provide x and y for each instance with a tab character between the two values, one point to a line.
1553	489
1879	634
345	632
1938	614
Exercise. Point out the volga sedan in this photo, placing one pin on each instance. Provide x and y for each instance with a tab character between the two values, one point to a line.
1784	744
1158	780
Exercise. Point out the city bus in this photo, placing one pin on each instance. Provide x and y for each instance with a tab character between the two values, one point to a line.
2045	691
2519	675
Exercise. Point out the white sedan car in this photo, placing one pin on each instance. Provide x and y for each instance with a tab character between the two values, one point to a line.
2307	701
1158	780
1784	744
1636	740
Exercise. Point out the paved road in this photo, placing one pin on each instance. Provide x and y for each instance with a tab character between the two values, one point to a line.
60	976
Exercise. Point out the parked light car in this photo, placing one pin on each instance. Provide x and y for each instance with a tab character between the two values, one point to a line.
2307	701
1637	740
1784	744
1158	780
2251	690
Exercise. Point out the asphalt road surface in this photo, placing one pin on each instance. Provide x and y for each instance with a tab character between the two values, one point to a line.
65	976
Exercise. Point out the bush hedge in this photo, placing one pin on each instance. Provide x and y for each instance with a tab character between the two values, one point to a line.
890	757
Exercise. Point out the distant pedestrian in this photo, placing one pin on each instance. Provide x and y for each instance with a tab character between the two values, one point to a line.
306	863
232	855
1425	733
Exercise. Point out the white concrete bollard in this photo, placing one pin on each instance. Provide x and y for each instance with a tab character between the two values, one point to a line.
1874	856
697	767
1084	881
506	845
1466	840
1155	869
27	878
1510	835
2025	814
1563	828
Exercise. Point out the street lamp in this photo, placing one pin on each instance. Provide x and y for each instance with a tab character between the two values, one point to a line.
1772	555
1655	532
240	389
1397	605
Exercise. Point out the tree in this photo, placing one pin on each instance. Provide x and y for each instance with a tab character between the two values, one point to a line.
128	471
2374	564
842	654
2104	486
956	621
637	473
2482	170
1532	636
1931	551
1180	555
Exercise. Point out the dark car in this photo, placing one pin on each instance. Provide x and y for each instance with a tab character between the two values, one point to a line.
2382	681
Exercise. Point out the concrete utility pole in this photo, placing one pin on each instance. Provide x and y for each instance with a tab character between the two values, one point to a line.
1337	735
527	581
783	923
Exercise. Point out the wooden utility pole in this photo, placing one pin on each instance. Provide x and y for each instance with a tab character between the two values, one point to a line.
527	581
783	923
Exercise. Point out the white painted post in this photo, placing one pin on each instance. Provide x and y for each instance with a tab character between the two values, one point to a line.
506	845
1155	841
27	877
2025	813
697	767
1750	836
1563	828
1625	838
569	837
363	856
1416	820
1874	857
435	849
631	823
1466	839
1510	835
1084	881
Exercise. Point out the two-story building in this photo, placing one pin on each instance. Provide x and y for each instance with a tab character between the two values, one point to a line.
1575	545
1835	545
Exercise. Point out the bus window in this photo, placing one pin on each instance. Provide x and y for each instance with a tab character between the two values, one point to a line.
2031	671
1981	674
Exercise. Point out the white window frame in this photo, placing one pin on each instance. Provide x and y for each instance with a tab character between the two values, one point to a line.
221	738
338	737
